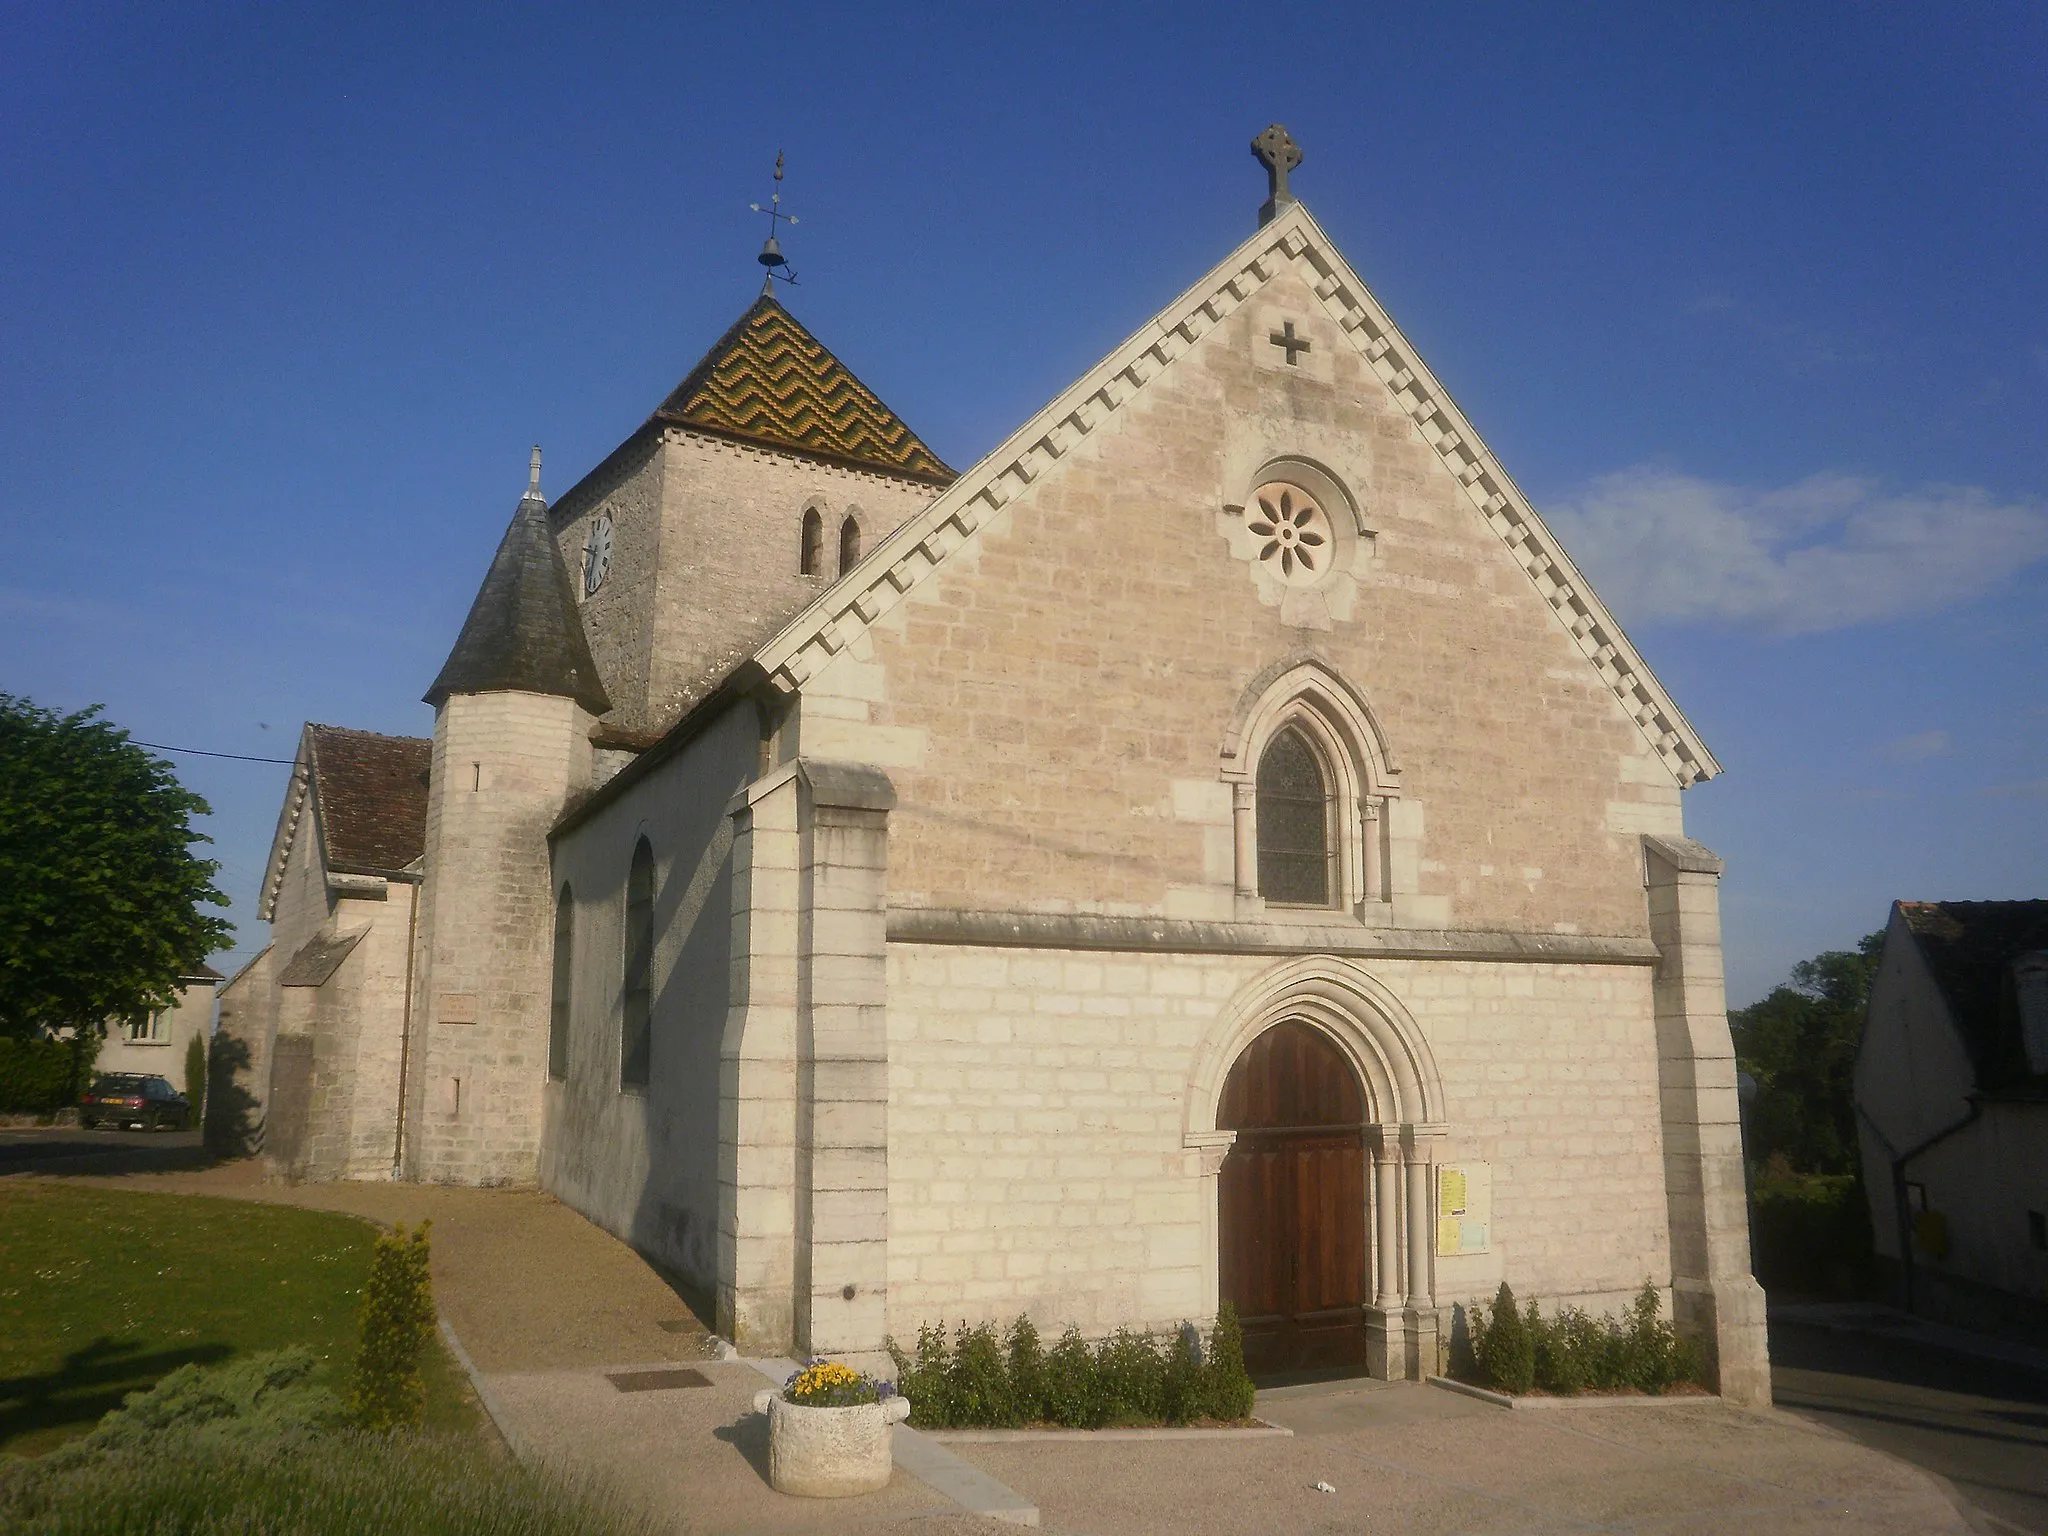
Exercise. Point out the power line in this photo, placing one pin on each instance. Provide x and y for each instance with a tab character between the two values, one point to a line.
240	757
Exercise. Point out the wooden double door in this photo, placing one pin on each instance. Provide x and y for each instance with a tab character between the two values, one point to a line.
1292	1225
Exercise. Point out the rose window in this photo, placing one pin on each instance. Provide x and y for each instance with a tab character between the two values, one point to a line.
1295	539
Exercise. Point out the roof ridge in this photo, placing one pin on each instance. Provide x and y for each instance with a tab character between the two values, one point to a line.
917	547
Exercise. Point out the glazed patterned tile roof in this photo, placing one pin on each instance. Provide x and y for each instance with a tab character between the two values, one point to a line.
768	380
371	792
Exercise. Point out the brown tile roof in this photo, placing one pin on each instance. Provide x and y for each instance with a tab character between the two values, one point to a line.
768	380
1970	947
371	792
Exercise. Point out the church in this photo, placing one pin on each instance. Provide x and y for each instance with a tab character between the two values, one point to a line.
1217	847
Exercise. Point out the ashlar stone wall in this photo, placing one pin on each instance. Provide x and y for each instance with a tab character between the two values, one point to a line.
642	1162
503	765
706	546
1053	700
1038	1105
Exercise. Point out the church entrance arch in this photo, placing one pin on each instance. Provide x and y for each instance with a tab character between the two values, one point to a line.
1292	1202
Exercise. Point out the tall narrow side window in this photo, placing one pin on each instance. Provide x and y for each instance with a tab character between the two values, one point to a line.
1297	856
558	1003
849	545
811	552
636	1039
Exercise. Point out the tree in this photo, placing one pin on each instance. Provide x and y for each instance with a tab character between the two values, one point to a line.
100	891
1800	1046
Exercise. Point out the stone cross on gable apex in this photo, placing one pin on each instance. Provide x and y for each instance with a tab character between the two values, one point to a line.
1276	150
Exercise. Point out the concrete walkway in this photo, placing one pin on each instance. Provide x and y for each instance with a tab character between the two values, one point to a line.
550	1309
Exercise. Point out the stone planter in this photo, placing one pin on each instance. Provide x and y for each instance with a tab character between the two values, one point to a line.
829	1453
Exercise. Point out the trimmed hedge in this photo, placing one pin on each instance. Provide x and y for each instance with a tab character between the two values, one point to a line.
40	1077
979	1380
1521	1350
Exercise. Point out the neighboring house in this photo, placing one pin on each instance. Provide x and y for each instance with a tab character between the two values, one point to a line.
155	1043
1217	847
1952	1106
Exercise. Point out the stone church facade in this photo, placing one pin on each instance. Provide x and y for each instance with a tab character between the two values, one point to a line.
1216	847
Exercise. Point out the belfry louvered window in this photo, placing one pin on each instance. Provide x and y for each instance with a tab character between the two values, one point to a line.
636	1033
558	1002
1297	856
849	545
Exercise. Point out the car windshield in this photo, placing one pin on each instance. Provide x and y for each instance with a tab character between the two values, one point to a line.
118	1082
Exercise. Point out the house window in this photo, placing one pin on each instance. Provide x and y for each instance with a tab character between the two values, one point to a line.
1297	857
636	1042
849	545
558	1005
811	553
152	1028
2037	1231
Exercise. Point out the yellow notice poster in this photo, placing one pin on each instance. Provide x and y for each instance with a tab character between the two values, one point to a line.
1464	1208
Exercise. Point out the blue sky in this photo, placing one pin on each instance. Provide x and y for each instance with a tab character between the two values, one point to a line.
1749	299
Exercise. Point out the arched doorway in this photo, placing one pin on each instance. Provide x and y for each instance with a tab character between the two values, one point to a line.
1291	1221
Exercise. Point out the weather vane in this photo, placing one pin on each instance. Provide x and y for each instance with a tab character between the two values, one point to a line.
771	253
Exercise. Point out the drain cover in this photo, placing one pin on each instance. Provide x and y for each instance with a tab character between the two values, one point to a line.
656	1381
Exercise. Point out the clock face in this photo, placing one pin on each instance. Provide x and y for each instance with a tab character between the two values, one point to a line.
597	554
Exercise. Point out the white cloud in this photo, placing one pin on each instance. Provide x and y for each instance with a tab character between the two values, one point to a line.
1917	748
1823	553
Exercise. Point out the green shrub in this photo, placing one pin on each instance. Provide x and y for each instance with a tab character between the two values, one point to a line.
1183	1395
40	1077
1130	1379
1573	1352
978	1381
1071	1399
925	1379
1812	1232
195	1078
1027	1371
335	1483
256	1399
396	1320
1229	1389
1504	1348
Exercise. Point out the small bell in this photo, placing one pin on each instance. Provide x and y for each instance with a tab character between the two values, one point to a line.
771	254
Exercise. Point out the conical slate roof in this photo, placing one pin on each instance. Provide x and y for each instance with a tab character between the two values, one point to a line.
522	634
768	380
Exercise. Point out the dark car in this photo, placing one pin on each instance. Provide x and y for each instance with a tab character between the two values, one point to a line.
129	1098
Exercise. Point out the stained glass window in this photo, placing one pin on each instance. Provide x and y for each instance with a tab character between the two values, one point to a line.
1295	856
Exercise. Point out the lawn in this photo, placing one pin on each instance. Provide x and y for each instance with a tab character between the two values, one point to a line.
103	1292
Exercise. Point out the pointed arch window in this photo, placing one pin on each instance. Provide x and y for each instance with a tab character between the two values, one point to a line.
1297	854
811	553
559	996
849	545
636	1030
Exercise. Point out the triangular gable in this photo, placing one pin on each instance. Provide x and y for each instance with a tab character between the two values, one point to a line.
768	380
1292	240
368	795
